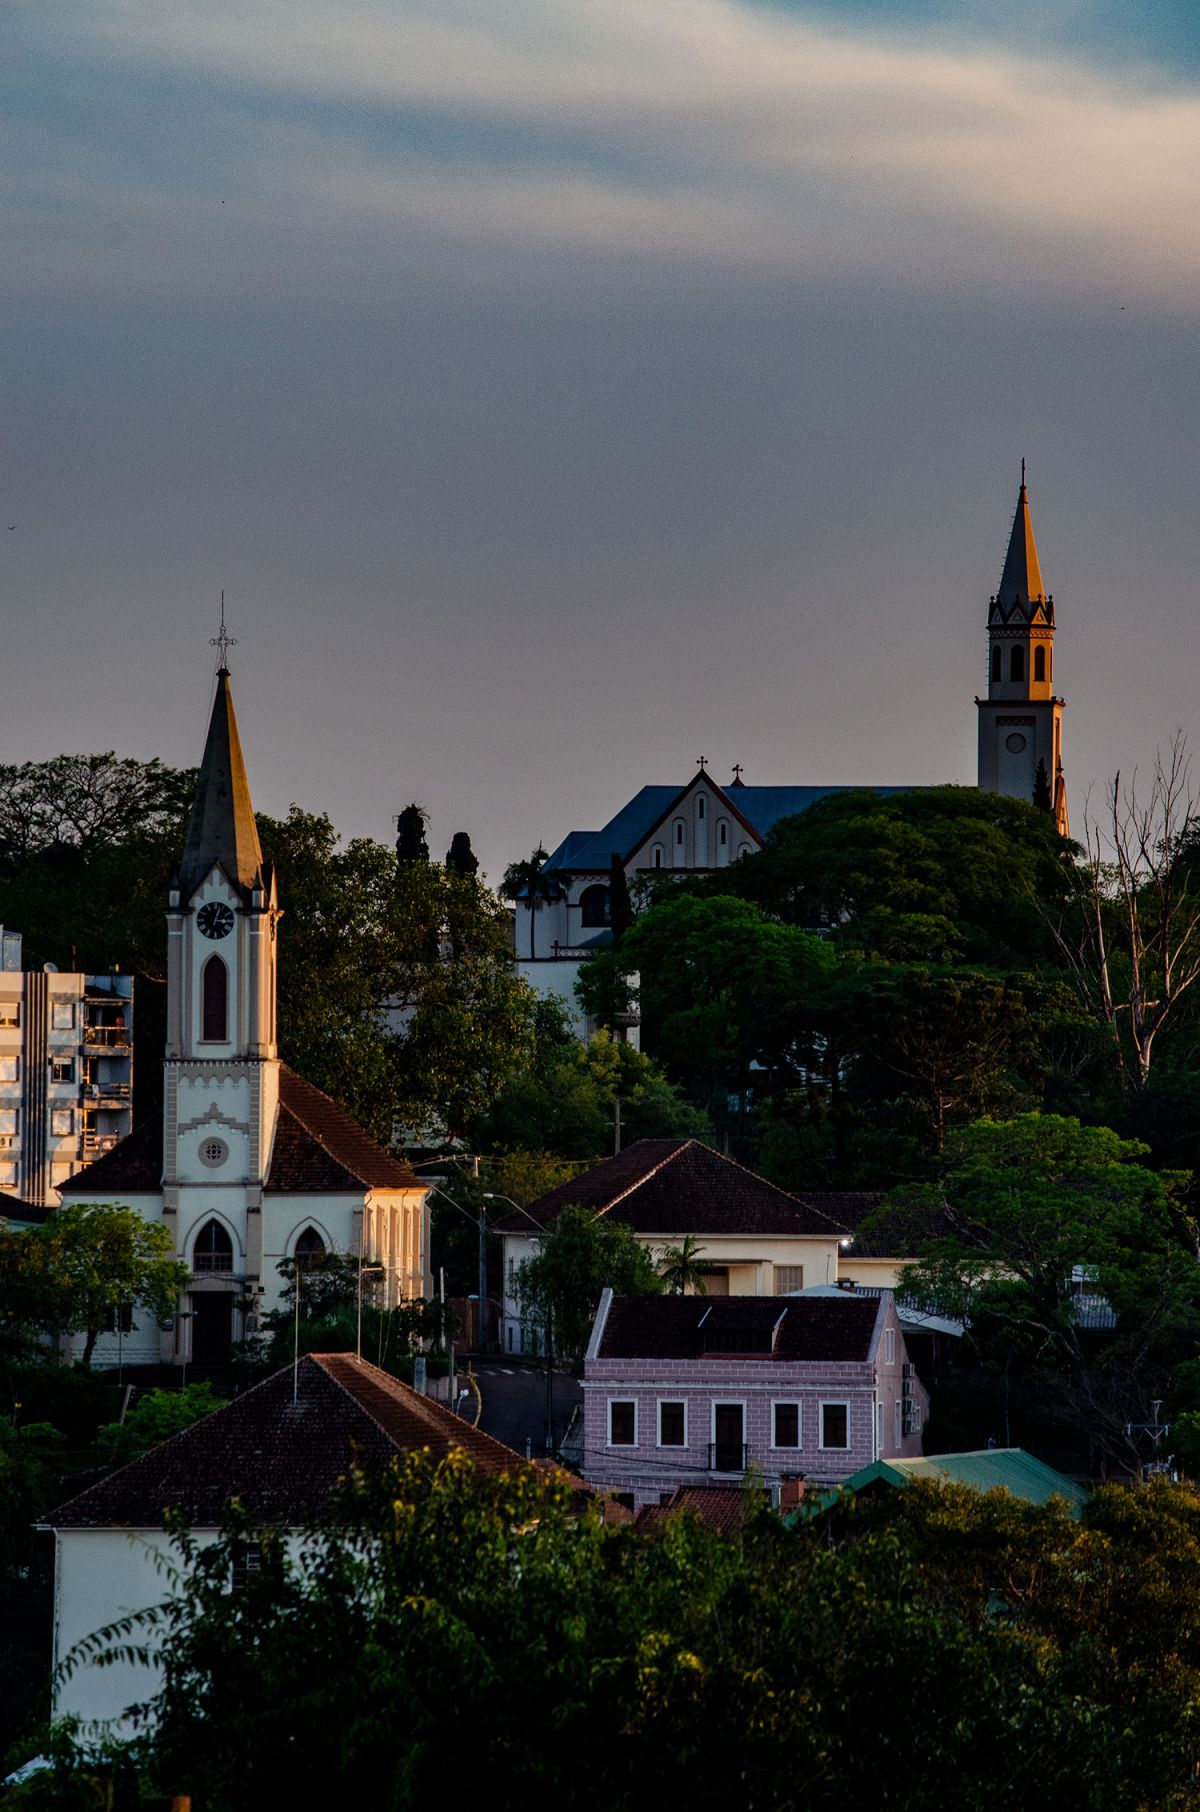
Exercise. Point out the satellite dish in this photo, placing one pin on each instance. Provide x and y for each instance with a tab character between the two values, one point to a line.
49	968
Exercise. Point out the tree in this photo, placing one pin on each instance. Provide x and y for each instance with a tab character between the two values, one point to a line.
100	1260
565	1101
1043	799
620	906
581	1255
155	1417
531	884
1138	953
680	1267
460	856
412	845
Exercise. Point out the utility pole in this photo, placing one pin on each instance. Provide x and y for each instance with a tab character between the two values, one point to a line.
483	1277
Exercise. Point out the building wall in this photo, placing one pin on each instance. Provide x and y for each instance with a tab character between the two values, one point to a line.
66	1075
764	1266
648	1472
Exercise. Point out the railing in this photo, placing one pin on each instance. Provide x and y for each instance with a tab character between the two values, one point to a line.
110	1091
727	1456
109	1037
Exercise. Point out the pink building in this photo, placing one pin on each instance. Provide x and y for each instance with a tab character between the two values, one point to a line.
681	1390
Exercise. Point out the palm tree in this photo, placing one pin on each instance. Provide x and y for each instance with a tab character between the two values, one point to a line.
681	1268
528	881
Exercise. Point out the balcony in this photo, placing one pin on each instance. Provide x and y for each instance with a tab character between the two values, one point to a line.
727	1456
107	1038
107	1094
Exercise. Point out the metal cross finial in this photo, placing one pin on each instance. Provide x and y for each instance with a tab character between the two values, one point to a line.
223	640
702	762
1022	474
737	770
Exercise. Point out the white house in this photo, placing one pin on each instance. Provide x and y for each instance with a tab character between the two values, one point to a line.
280	1448
249	1164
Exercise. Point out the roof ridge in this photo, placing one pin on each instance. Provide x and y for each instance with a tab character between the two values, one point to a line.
349	1120
641	1181
789	1195
419	1405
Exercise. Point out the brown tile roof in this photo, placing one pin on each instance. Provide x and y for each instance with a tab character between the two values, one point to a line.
723	1507
282	1459
679	1186
832	1329
318	1149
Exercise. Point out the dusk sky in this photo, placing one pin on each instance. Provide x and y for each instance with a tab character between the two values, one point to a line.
565	389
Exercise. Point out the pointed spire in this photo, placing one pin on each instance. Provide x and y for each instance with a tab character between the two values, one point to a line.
222	828
1022	579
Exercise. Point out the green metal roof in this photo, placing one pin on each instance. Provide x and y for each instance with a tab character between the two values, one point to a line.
988	1469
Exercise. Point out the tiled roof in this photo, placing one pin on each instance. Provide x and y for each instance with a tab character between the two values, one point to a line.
819	1329
318	1148
13	1208
679	1186
723	1507
281	1459
132	1167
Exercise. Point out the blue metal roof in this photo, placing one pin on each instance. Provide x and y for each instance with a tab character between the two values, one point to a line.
761	806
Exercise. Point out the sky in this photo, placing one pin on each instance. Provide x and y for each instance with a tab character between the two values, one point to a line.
564	390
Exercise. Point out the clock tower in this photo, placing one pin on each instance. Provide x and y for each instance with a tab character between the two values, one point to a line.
1020	720
221	1080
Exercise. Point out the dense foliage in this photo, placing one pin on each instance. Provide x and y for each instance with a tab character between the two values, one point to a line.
931	1649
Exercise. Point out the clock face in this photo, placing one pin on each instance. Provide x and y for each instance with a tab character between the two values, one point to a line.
215	919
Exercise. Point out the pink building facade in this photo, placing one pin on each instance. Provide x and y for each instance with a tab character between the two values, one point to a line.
679	1390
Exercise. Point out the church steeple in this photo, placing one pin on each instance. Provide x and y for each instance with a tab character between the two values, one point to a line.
1021	582
222	832
1020	721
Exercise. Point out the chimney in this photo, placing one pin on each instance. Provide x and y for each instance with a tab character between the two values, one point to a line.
791	1491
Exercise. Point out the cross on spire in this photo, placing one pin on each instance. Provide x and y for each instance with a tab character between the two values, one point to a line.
737	770
702	762
222	641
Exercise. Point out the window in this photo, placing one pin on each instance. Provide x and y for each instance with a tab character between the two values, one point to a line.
835	1425
1039	662
672	1424
10	1069
213	1250
1016	664
788	1278
119	1320
214	992
996	662
247	1564
722	833
10	1012
594	907
62	1122
622	1423
310	1250
62	1015
899	1422
62	1069
679	834
658	855
700	807
8	1122
213	1152
889	1346
786	1431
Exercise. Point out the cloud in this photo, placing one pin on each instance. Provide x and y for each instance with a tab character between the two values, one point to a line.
698	130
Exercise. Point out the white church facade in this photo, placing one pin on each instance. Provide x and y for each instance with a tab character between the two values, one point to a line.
703	826
250	1164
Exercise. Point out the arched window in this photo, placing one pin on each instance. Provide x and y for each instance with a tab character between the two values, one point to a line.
722	833
1016	664
679	833
310	1249
996	662
658	855
593	907
1039	662
213	1250
214	1001
700	806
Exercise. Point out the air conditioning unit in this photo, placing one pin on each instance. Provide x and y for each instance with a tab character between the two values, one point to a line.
911	1423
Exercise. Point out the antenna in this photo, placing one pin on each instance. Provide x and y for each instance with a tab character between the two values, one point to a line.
224	641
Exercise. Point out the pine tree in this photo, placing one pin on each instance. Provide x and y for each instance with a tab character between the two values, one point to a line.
460	856
411	842
1041	788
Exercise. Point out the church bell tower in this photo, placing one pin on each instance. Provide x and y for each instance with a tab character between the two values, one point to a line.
1020	720
221	1080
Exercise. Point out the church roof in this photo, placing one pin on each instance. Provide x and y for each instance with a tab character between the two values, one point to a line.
1021	580
760	806
318	1149
679	1186
282	1459
222	830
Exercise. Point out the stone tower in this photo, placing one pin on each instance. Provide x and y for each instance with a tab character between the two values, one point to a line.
1020	720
